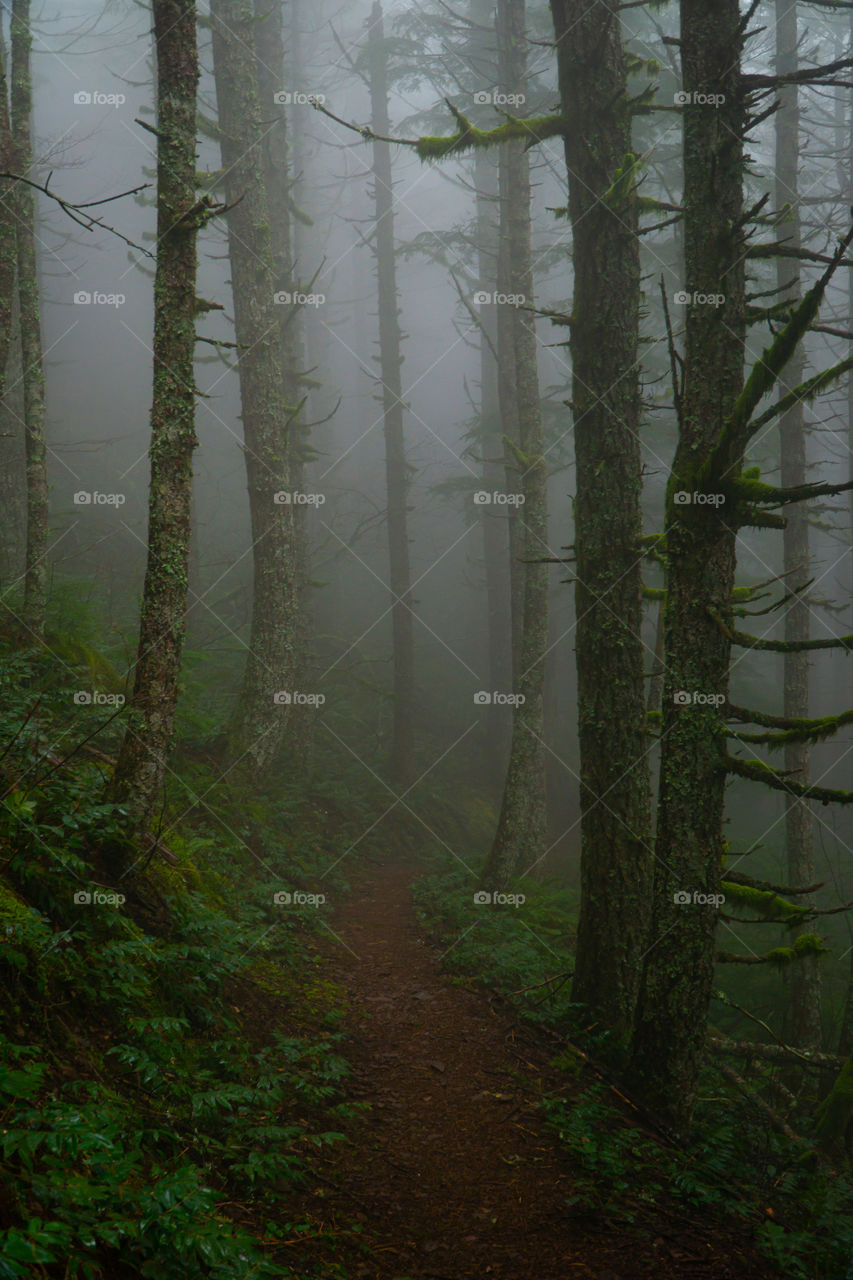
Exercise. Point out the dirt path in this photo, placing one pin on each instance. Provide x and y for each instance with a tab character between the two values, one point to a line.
453	1172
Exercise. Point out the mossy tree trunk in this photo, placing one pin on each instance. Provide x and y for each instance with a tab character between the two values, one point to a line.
390	362
803	978
520	837
604	340
677	980
262	718
272	76
481	58
35	580
142	760
12	474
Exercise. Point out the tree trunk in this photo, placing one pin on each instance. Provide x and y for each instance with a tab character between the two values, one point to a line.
271	71
141	765
614	793
12	466
35	580
266	702
803	978
520	838
390	361
496	560
677	981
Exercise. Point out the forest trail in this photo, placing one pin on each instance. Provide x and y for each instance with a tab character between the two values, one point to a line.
453	1172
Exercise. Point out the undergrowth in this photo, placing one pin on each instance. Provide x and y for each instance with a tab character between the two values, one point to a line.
737	1168
169	1048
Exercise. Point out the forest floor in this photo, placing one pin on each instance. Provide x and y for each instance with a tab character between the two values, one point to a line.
453	1173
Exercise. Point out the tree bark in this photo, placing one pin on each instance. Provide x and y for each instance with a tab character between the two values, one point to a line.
494	518
612	731
12	464
803	978
390	362
263	714
271	71
677	981
141	765
35	579
520	837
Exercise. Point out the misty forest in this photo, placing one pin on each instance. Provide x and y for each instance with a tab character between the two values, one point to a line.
426	614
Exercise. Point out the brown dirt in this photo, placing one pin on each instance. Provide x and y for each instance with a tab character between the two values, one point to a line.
453	1173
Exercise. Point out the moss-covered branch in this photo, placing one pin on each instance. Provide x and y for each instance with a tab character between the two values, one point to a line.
797	731
807	944
467	137
758	771
739	427
746	641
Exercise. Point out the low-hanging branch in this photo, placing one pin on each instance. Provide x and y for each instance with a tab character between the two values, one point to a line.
79	212
777	780
806	393
750	882
467	137
807	944
775	1053
798	731
740	425
746	641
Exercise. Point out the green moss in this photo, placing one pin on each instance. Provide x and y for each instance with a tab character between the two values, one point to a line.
766	904
469	138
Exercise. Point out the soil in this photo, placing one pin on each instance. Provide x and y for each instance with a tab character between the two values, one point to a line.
453	1172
